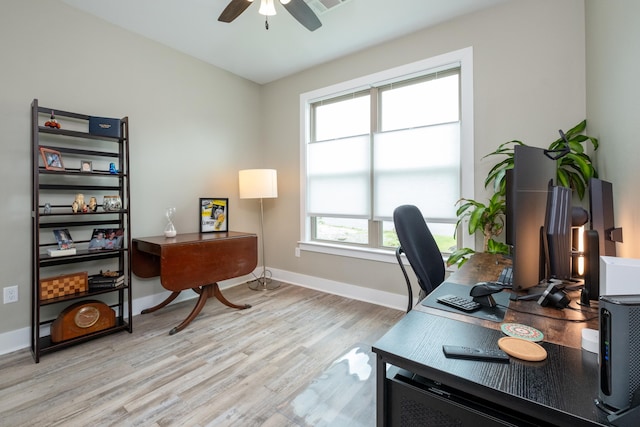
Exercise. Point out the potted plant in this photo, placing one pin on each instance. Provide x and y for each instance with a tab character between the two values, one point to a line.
575	168
487	219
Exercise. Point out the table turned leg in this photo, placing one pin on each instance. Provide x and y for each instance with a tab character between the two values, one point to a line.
164	303
218	294
205	293
202	300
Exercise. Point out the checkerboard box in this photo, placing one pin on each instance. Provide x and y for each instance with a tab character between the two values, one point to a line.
66	284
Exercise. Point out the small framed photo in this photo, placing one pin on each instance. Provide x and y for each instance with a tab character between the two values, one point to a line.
63	237
214	215
86	166
52	159
106	238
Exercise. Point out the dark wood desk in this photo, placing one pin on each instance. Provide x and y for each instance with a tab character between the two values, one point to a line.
417	385
196	261
561	327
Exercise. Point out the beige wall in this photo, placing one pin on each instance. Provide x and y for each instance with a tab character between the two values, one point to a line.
613	94
529	81
193	126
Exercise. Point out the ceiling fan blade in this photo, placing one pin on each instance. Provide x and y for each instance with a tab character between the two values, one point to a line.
303	14
233	10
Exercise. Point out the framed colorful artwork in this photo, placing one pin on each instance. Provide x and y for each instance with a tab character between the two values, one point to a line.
214	214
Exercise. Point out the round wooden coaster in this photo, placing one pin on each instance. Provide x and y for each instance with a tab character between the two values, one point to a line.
522	331
522	349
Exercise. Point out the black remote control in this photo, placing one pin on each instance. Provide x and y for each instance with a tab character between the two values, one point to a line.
460	352
461	303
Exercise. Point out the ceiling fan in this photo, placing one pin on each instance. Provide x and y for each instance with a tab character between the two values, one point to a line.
297	8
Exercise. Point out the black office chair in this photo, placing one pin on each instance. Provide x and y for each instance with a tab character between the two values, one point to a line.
423	254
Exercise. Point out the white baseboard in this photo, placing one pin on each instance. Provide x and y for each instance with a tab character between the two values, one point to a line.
15	340
21	338
382	298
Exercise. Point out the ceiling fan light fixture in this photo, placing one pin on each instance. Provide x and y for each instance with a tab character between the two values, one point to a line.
299	9
267	8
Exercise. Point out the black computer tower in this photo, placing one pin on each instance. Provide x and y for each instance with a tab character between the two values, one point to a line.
619	351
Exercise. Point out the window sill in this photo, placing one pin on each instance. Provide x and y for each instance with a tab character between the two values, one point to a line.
380	255
371	254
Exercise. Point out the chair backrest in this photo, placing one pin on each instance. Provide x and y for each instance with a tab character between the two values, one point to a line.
420	247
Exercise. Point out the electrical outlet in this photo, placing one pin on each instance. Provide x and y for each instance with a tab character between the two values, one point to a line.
10	294
298	252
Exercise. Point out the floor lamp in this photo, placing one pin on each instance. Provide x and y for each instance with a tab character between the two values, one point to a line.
260	184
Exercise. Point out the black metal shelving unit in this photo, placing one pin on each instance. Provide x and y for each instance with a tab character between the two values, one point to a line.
56	189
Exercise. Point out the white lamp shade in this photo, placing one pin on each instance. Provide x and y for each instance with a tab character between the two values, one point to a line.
258	183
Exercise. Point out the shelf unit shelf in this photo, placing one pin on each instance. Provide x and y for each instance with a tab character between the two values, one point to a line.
53	192
46	346
85	294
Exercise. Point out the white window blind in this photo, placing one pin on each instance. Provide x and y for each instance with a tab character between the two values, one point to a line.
418	166
401	136
409	153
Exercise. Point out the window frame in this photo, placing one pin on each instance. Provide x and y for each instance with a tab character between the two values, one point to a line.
462	58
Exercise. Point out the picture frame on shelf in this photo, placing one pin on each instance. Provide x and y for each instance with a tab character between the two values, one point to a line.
86	166
106	238
214	214
52	159
64	239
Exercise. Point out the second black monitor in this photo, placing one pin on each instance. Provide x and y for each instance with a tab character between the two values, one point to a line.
526	199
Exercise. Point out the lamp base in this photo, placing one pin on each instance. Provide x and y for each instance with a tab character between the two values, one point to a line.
263	284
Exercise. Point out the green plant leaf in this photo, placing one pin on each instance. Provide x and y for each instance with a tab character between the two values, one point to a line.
466	206
494	247
498	171
579	128
580	187
576	146
463	211
563	178
583	163
505	148
460	256
475	219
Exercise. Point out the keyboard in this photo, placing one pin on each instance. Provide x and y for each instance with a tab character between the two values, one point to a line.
460	303
506	276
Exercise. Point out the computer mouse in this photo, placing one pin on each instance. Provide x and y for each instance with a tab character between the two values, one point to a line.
482	289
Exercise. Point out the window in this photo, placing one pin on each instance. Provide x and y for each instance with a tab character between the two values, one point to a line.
375	143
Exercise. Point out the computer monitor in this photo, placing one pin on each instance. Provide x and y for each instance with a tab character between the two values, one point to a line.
602	218
601	238
591	289
557	234
526	202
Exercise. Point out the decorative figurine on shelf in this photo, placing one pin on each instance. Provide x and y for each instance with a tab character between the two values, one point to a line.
170	230
93	204
47	208
78	204
112	168
52	122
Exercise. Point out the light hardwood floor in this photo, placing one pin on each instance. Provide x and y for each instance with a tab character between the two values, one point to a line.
274	364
